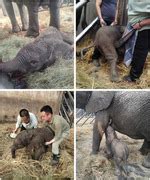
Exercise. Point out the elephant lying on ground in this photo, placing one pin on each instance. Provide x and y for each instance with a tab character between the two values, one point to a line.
32	7
106	39
34	140
118	150
50	46
128	111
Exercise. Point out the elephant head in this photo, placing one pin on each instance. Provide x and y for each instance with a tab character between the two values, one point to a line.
94	101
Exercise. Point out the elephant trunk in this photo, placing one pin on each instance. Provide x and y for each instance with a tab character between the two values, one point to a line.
9	66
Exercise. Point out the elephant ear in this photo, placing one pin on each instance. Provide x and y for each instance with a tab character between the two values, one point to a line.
99	100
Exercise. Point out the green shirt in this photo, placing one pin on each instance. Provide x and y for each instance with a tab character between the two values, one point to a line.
59	125
138	10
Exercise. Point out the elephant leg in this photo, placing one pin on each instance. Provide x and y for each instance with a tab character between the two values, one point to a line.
38	153
118	170
23	15
146	162
14	148
54	6
68	38
3	8
12	17
100	124
145	147
111	56
32	7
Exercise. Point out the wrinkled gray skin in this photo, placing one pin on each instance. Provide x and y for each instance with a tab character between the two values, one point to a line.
105	41
32	7
34	140
128	111
43	52
118	150
5	82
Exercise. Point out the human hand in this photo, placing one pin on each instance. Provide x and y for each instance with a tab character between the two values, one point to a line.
137	26
114	23
102	22
49	142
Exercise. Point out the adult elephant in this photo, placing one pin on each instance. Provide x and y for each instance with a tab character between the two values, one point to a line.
32	7
129	113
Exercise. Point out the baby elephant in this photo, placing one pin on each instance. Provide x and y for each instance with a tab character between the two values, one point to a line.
118	150
34	140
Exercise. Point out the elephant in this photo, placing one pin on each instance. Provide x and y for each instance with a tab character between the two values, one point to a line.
106	40
34	140
5	82
32	7
50	46
128	111
118	150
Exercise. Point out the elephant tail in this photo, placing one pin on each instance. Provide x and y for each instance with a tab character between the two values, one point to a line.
137	169
84	51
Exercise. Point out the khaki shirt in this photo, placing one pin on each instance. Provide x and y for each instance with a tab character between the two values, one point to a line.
59	125
138	10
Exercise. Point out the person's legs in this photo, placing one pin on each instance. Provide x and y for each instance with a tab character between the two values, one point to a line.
55	148
139	56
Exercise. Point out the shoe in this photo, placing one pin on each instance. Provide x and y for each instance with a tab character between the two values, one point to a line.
96	62
55	159
129	79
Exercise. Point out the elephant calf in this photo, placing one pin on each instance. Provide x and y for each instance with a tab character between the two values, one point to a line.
105	41
118	150
34	140
50	46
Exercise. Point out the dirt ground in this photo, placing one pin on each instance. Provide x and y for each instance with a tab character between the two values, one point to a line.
58	76
88	76
24	168
98	167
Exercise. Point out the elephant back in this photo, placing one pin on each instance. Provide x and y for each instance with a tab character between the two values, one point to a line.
99	100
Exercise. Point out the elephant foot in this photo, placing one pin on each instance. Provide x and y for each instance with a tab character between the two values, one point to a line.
32	34
16	29
96	62
117	172
146	162
144	151
115	78
94	152
24	28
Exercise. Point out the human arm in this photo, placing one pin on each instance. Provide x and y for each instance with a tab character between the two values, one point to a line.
98	9
58	133
50	142
116	15
141	24
18	124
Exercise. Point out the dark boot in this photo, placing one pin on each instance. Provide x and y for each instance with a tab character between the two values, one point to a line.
55	159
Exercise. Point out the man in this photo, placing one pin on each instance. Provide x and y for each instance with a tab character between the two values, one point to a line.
25	120
107	13
139	18
60	127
